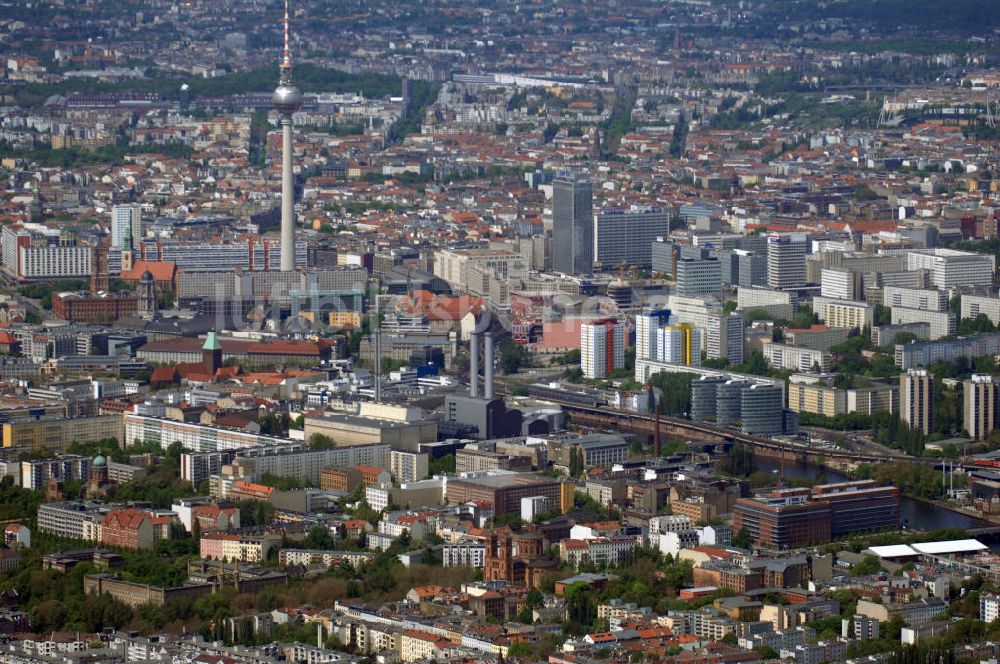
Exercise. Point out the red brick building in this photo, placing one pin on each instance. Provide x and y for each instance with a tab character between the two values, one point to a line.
133	529
86	307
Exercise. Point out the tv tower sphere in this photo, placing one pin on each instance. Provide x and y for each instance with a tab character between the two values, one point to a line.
287	98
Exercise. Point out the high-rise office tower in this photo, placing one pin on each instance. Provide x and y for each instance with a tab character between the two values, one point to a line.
627	236
126	224
287	99
981	405
572	225
786	260
602	347
750	268
699	276
916	399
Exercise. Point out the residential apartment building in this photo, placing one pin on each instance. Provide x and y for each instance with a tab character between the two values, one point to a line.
813	396
192	436
840	284
680	343
925	299
57	435
646	325
973	306
724	337
453	265
795	358
602	347
779	304
78	520
942	323
464	554
844	313
407	466
916	399
980	405
35	475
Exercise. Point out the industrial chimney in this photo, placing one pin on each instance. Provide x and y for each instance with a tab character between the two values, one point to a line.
474	364
488	389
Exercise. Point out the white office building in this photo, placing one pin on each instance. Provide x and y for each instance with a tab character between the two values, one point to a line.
786	260
949	268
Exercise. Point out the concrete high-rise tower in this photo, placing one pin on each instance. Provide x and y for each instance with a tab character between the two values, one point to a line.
287	99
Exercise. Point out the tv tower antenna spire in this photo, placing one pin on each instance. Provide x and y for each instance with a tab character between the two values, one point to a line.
287	100
286	61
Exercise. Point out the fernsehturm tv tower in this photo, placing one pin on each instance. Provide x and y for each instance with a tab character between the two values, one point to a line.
287	100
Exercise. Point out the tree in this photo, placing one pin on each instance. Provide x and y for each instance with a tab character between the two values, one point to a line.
512	356
867	566
319	441
676	389
576	463
319	537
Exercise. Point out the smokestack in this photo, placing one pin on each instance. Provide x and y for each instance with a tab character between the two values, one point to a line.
488	390
656	434
474	364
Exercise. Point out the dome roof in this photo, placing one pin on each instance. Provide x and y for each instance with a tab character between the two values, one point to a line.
146	276
100	460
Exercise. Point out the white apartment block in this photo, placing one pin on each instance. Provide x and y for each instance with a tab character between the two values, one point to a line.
464	554
942	323
844	313
646	325
408	466
989	607
679	344
693	310
32	251
779	304
602	347
796	358
307	465
191	436
974	305
926	299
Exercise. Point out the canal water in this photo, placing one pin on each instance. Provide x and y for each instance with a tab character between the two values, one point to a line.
914	514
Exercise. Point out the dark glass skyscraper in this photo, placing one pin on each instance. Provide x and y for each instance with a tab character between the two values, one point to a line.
572	225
